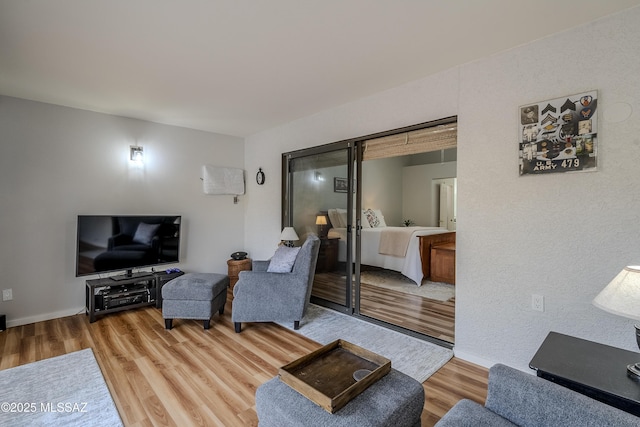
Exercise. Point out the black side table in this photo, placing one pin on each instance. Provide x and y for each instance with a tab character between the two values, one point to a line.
595	370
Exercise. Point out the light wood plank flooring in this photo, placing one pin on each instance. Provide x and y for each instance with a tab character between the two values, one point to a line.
192	377
426	316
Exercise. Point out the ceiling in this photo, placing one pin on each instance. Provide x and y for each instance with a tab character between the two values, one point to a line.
239	67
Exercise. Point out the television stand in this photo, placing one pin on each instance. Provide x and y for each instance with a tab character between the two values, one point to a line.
109	295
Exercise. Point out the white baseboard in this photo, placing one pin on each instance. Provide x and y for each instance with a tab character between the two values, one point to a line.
43	317
472	358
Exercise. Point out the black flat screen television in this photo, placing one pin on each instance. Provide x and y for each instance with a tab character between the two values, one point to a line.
108	243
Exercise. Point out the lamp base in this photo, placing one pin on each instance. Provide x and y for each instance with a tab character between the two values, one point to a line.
633	371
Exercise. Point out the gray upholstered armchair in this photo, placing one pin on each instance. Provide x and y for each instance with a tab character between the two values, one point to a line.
262	296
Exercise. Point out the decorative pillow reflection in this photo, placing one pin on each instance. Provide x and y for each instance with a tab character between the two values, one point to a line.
381	222
145	232
283	260
364	222
372	219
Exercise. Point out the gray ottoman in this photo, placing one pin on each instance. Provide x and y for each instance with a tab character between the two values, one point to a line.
194	296
394	400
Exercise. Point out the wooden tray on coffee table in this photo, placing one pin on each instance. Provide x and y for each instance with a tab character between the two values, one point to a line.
326	376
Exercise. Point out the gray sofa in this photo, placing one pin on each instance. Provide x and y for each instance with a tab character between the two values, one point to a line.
516	398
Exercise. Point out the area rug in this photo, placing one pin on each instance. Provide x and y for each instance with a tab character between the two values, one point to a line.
412	356
67	390
395	281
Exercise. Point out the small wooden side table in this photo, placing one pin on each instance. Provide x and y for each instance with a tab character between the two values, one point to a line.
234	269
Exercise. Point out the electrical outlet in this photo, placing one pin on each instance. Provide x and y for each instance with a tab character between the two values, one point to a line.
537	302
7	294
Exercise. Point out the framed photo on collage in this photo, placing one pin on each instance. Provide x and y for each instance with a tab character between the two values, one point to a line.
559	135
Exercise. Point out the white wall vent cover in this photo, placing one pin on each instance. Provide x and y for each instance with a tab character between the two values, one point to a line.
219	180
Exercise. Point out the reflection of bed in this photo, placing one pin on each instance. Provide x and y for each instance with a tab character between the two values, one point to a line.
410	265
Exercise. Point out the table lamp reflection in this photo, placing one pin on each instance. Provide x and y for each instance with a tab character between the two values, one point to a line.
321	222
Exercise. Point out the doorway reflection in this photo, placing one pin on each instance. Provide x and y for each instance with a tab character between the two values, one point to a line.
334	191
320	189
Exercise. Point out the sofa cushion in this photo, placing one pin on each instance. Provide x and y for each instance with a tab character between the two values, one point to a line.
467	413
522	399
145	233
529	401
283	260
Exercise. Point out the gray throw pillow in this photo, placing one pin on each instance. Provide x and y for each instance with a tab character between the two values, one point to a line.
283	260
145	232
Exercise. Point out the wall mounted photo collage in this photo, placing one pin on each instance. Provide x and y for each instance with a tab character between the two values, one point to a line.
559	135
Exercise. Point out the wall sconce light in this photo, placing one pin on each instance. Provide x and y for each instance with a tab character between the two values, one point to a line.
317	177
136	153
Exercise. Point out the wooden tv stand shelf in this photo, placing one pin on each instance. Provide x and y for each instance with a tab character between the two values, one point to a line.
107	295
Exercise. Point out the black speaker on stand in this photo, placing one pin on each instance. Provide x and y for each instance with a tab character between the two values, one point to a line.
3	322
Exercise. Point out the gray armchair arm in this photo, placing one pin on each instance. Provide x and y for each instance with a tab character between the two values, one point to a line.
260	265
262	284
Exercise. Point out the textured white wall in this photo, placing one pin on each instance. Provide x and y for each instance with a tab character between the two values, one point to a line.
58	162
382	188
563	236
421	197
410	104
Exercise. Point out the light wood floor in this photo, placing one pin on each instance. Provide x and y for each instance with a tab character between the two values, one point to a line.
426	316
192	377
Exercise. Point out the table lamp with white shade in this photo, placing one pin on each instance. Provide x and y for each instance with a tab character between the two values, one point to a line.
622	297
288	235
